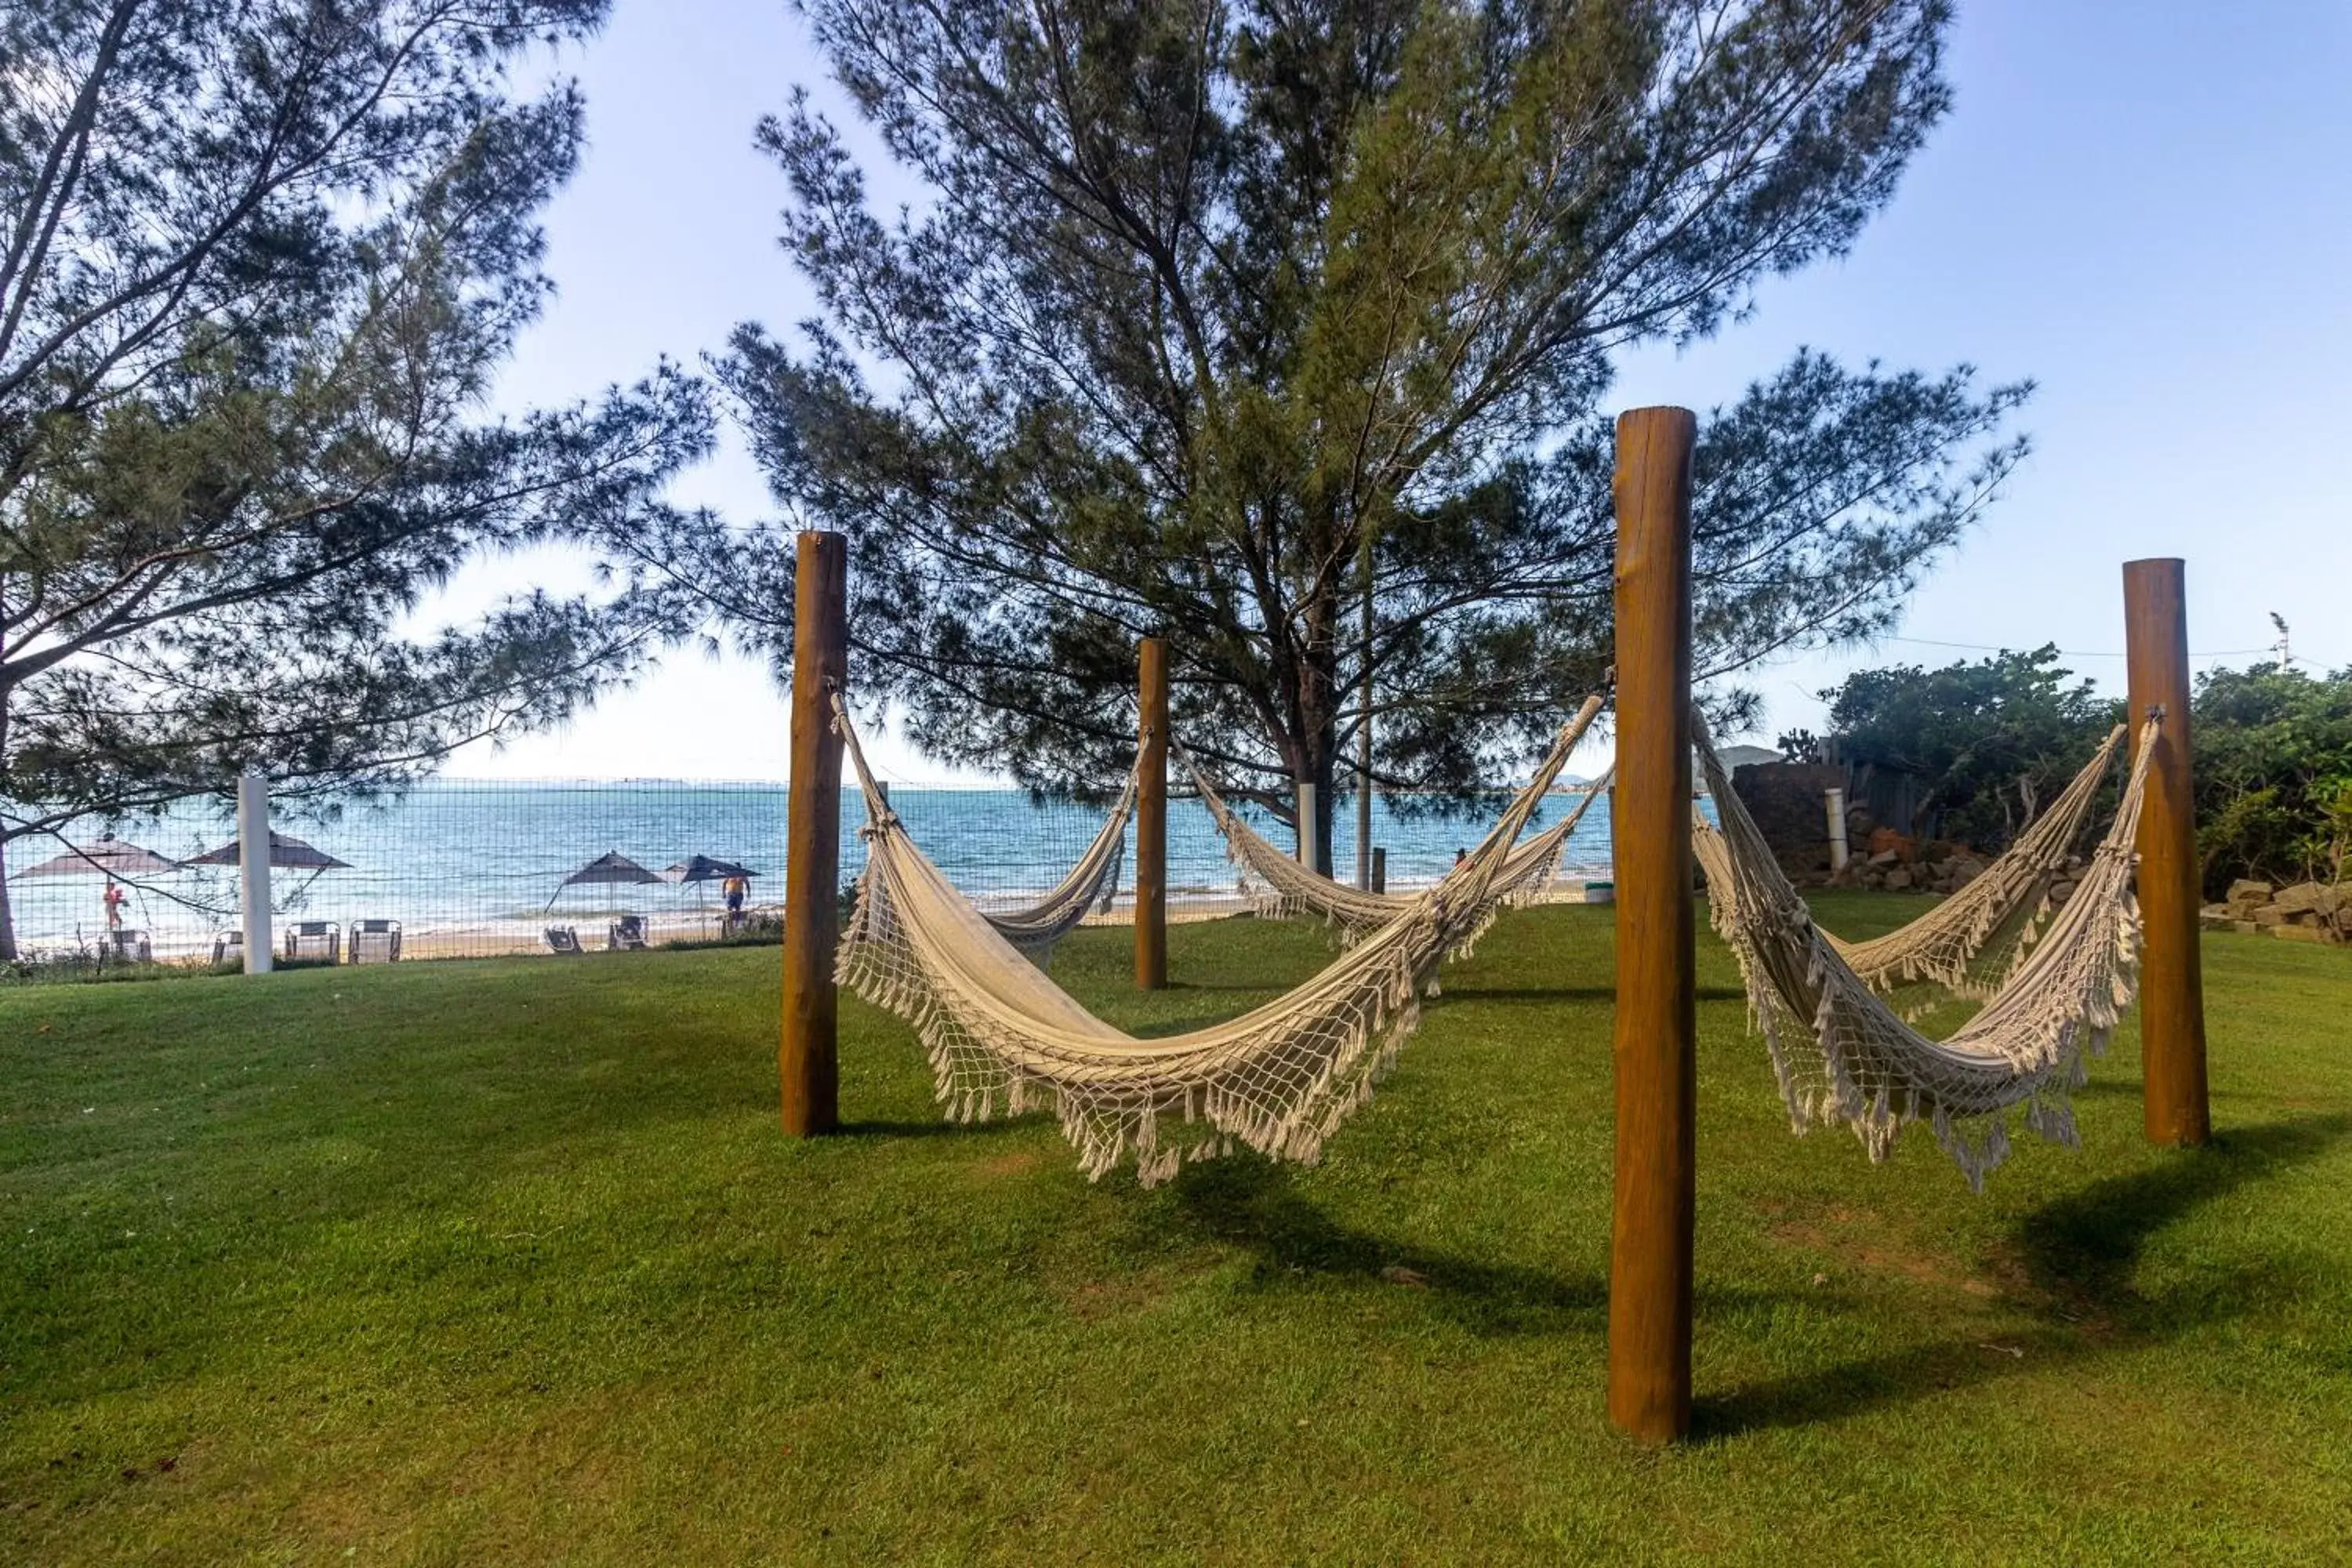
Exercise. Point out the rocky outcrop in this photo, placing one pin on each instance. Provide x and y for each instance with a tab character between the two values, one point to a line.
1933	867
2306	912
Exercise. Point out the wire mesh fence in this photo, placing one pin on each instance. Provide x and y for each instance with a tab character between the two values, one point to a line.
460	869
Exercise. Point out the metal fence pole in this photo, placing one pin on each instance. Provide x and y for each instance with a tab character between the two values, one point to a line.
253	866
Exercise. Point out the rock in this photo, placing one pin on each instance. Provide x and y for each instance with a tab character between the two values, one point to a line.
2061	891
2247	891
2303	933
2270	915
2301	899
1885	857
2245	928
1884	840
2216	917
1897	879
1968	868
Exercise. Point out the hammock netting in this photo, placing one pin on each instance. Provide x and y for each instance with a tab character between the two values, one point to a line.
1003	1037
1282	885
1840	1053
1091	885
1971	942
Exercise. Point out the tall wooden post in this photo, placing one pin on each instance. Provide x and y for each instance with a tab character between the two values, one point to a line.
2171	978
1151	819
1655	1044
809	1057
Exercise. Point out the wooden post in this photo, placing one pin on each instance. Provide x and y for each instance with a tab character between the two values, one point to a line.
809	1057
2171	976
1379	870
1311	825
1655	1044
1151	819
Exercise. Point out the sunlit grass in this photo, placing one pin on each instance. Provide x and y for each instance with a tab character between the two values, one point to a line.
487	1262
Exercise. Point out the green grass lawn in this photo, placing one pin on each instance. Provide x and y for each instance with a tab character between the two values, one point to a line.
503	1261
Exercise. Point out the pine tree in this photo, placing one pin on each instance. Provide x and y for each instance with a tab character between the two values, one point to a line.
1286	331
259	261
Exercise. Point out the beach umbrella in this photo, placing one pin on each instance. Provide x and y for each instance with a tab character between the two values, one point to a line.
706	869
614	868
286	854
106	856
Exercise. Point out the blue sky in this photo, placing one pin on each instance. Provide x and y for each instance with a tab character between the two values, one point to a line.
2146	209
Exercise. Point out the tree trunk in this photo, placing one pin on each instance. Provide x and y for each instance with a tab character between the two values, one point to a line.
1364	749
1326	815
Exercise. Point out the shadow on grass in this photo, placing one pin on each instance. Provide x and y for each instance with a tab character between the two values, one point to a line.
2084	1246
1509	995
2079	1255
1254	1206
941	1128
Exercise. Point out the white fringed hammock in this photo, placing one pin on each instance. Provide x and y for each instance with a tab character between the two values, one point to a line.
1840	1053
1088	888
1280	1078
1970	942
1283	885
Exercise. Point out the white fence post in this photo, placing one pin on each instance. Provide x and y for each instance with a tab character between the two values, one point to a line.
1834	798
253	856
1308	822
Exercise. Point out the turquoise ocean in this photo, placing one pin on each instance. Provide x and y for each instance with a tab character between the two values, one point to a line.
472	866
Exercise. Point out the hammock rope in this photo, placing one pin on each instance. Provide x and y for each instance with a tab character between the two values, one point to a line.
1841	1054
1970	942
1001	1036
1283	885
1089	888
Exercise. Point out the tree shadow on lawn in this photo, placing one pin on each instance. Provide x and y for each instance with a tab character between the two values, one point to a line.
2078	1253
2082	1247
1254	1206
1511	994
905	1127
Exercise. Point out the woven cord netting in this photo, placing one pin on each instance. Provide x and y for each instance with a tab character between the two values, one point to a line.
1841	1054
1089	888
1003	1037
1970	942
1282	885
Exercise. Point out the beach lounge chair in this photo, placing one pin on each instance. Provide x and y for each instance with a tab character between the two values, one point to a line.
228	945
627	933
130	947
314	939
564	939
382	937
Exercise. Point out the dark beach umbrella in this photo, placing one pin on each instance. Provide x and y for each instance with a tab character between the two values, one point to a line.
106	857
706	869
614	868
286	854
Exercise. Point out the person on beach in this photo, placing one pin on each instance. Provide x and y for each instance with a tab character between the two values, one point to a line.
737	890
113	898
